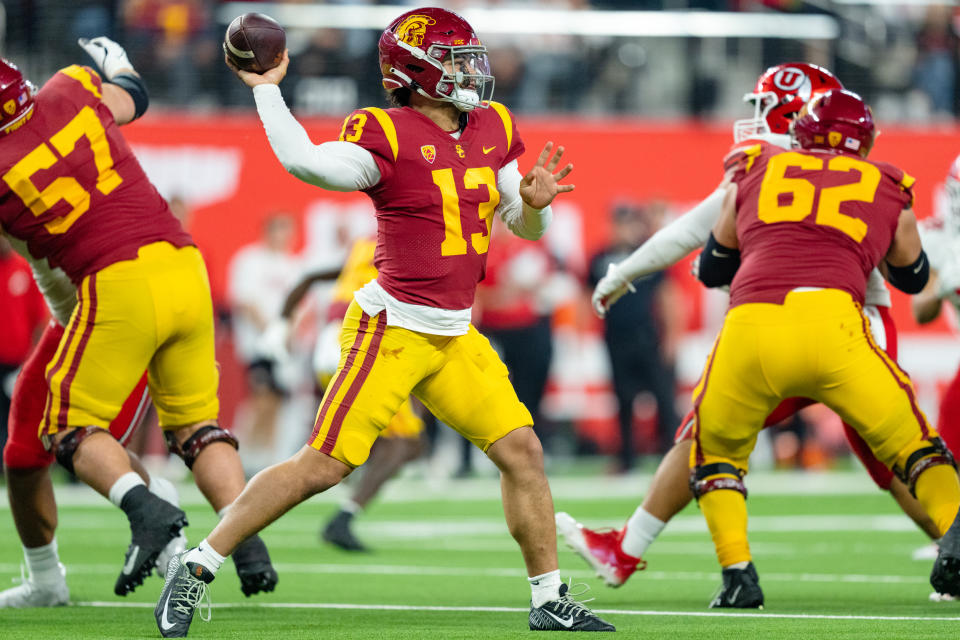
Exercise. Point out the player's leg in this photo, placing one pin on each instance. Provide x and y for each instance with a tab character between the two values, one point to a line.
494	419
365	394
183	383
731	404
948	418
99	360
29	489
871	393
399	444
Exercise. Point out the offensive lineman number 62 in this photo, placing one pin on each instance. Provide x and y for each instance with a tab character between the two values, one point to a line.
828	209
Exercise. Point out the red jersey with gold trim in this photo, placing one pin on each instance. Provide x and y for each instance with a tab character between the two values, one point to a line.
435	200
812	219
72	188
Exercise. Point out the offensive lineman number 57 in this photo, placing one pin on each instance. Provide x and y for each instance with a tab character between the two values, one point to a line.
86	123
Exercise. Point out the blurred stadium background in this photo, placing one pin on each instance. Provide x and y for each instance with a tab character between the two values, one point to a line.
642	93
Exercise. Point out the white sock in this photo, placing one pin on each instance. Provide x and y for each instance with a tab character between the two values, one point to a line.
124	483
43	563
164	489
739	565
545	587
205	555
350	507
642	530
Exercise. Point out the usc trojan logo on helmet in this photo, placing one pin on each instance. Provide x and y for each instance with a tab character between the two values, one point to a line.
413	29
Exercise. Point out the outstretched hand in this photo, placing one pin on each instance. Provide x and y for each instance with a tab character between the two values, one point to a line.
541	185
271	76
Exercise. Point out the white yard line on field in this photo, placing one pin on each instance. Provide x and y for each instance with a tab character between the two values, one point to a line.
518	572
628	612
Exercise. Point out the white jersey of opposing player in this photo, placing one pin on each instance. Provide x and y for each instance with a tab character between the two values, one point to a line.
943	250
690	231
58	290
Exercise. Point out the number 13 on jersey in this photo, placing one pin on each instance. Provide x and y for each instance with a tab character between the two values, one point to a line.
454	244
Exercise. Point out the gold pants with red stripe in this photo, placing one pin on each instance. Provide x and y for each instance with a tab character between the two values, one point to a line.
460	379
818	345
153	312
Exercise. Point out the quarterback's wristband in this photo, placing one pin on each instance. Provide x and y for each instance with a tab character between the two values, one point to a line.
133	84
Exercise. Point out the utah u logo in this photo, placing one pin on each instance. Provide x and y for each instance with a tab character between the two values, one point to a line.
429	152
789	79
413	29
461	152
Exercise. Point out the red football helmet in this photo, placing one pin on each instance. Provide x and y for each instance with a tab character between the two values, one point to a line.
779	94
16	97
436	53
838	120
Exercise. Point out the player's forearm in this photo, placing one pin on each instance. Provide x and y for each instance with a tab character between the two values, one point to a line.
335	166
298	292
672	243
926	305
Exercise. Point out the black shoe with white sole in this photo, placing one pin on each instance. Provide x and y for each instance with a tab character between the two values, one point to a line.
184	590
741	590
566	614
153	524
253	565
945	576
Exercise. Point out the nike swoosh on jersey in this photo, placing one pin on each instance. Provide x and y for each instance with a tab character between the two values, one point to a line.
566	622
132	560
164	623
919	266
717	254
487	150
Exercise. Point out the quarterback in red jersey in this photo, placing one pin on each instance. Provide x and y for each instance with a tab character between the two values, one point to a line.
799	234
74	193
438	166
615	554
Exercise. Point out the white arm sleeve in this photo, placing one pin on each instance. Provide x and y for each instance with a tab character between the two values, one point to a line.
522	220
673	242
335	166
58	290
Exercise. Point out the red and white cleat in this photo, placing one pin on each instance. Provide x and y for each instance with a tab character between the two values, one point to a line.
601	549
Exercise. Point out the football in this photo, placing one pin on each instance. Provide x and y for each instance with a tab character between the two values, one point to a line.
255	42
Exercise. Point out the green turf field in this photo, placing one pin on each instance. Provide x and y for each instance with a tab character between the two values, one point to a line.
832	565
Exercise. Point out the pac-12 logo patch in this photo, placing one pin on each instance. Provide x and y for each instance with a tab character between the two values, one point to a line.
834	138
10	106
429	152
413	29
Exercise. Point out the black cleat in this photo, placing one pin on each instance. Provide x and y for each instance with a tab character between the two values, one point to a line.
153	524
945	576
254	569
338	533
741	590
566	614
184	590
